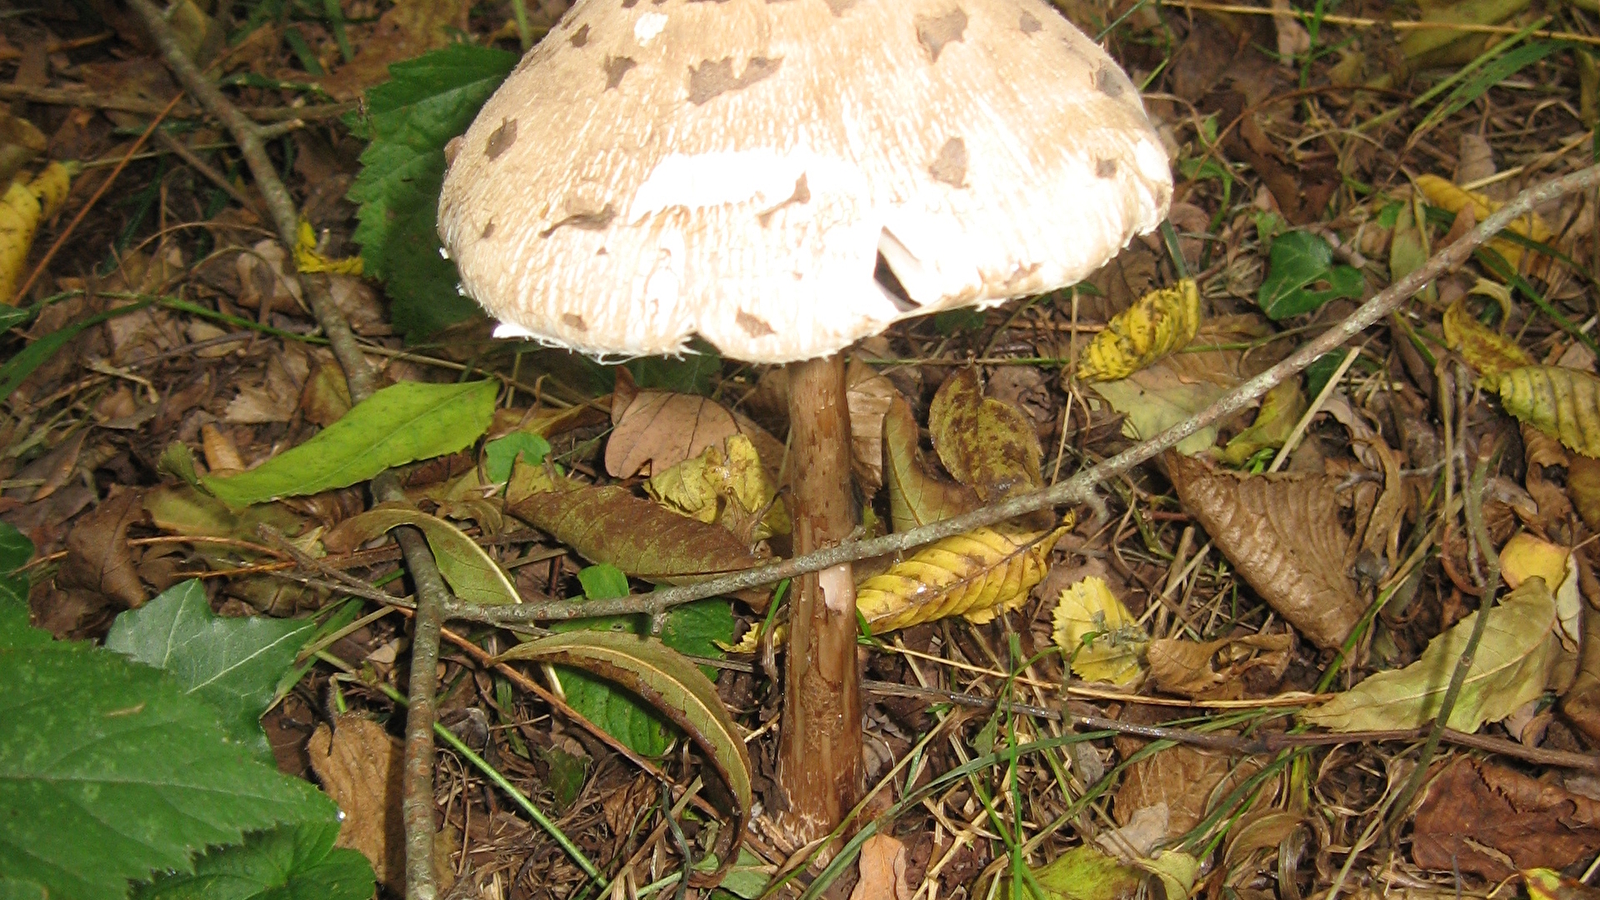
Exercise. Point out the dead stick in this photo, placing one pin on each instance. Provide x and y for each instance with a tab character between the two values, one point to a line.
432	592
1080	487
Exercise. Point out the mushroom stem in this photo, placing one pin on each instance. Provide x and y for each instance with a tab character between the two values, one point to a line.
819	756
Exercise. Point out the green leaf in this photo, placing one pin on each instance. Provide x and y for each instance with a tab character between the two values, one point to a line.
12	316
290	863
693	628
501	453
232	664
426	102
397	425
109	771
672	684
603	582
1299	262
15	551
472	575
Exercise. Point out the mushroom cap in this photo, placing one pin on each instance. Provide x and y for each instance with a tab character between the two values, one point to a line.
738	168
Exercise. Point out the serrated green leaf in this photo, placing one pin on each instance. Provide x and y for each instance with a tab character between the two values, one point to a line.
472	575
673	685
109	771
232	664
289	863
1299	261
426	102
399	424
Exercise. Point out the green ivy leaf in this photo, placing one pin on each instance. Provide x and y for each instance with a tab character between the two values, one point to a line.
109	771
1301	261
399	424
290	863
500	453
426	102
232	664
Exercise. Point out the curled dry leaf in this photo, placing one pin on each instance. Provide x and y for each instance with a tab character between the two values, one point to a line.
1488	351
917	496
1102	638
979	575
1563	403
883	870
1157	324
1515	657
988	445
1282	532
673	685
1217	670
868	396
358	764
606	524
1490	820
660	429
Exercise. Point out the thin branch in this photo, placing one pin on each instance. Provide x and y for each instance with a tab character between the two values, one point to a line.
431	590
1080	487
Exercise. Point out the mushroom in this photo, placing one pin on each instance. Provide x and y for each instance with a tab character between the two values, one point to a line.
782	178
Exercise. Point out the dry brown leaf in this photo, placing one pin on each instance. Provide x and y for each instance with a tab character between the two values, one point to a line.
405	30
883	870
1583	487
1581	703
917	496
359	766
1490	821
1283	534
868	396
1217	670
606	524
98	556
1184	779
660	429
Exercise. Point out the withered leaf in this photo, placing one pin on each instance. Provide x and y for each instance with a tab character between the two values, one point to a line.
359	766
1454	199
917	496
1159	323
1183	778
98	557
988	445
606	524
868	396
660	429
979	575
1216	670
471	573
1477	817
1282	533
1490	352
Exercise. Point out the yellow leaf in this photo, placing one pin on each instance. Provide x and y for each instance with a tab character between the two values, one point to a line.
1452	199
21	209
730	487
1280	412
1487	351
1104	641
1159	323
1563	403
307	259
978	575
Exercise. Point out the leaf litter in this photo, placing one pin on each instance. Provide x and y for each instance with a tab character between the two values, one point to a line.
163	360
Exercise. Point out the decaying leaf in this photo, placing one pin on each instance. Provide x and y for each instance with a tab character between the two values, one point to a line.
1453	199
1104	641
868	395
726	486
1490	820
471	574
1512	666
359	765
978	575
1159	323
674	686
1280	411
606	524
1488	351
1563	403
22	208
1183	779
1525	556
1086	872
987	444
1217	670
1282	532
883	870
1583	487
917	496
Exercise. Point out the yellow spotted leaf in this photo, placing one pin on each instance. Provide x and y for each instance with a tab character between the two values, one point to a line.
1486	350
22	207
308	259
917	495
1563	403
1104	641
727	486
978	575
987	444
1447	196
1159	323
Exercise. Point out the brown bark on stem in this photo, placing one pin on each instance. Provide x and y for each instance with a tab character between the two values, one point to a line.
819	756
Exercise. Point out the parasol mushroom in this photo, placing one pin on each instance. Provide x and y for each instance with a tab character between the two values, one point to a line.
784	177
